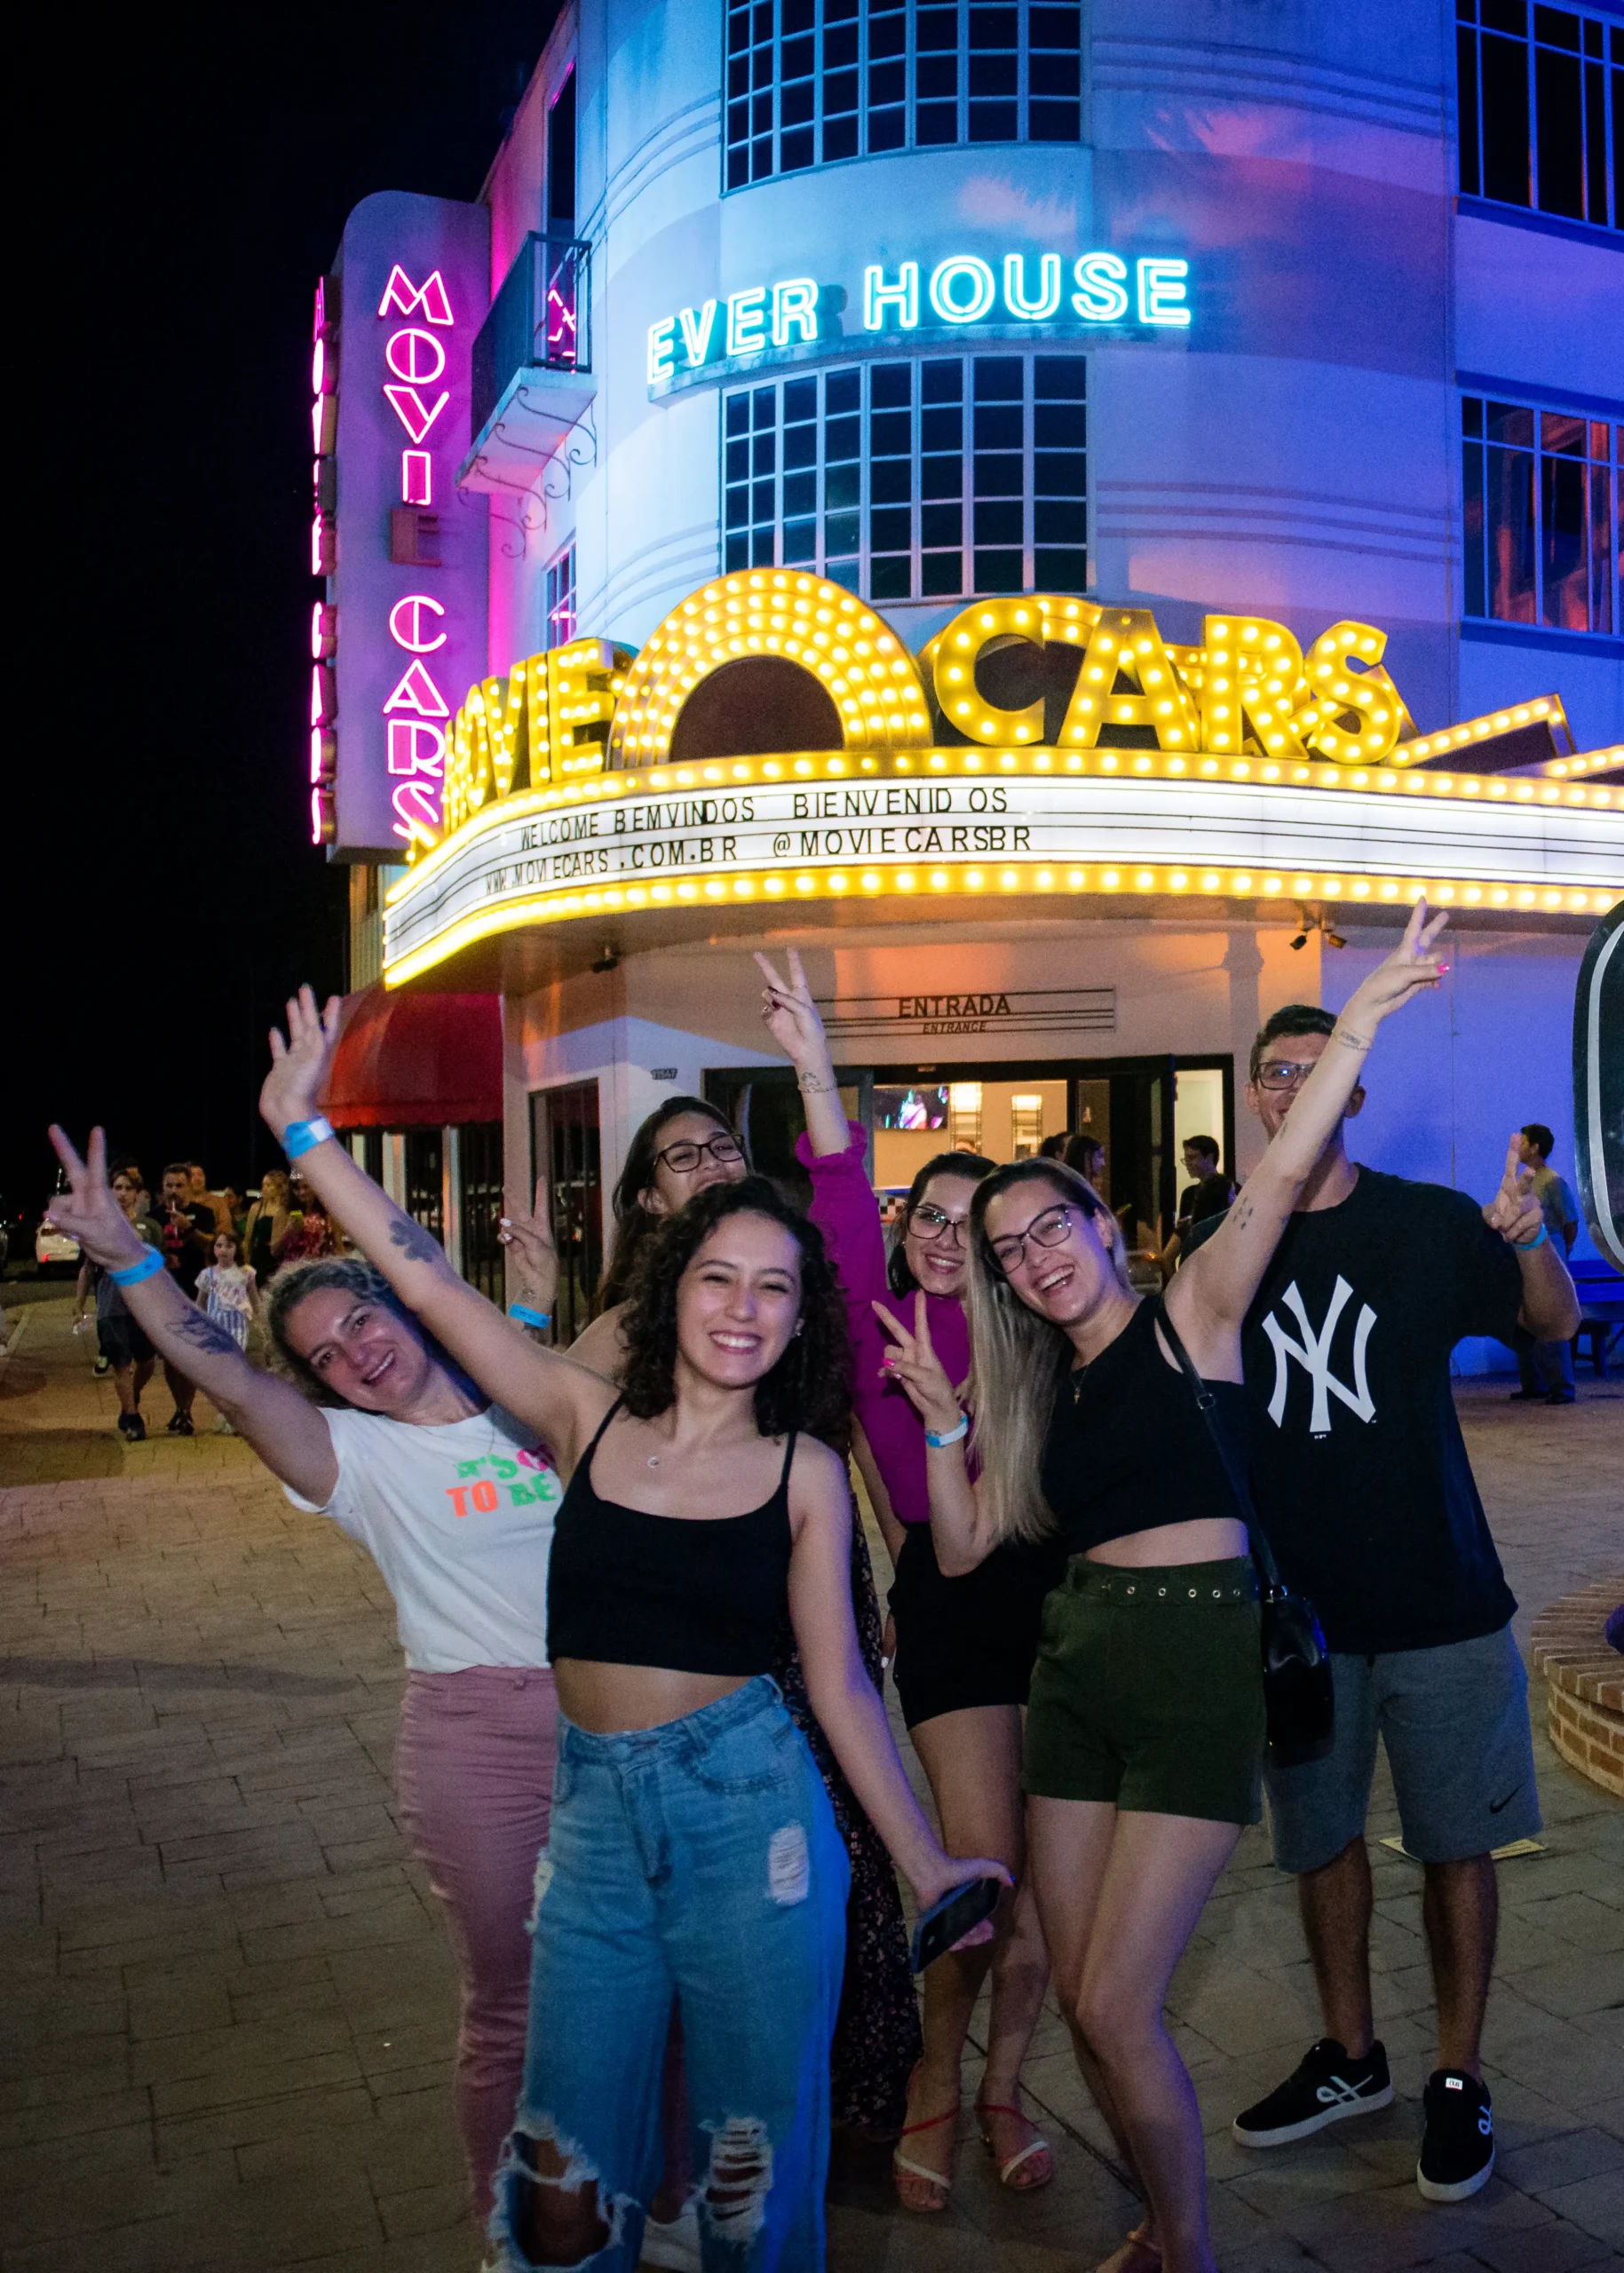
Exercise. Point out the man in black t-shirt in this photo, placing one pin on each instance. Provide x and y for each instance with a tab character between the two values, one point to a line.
1365	1492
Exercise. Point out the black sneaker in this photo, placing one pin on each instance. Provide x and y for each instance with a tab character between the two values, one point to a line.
1327	2087
179	1425
131	1427
102	1367
1457	2147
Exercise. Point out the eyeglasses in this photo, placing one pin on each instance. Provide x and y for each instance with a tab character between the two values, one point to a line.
680	1159
931	1223
1049	1229
1279	1073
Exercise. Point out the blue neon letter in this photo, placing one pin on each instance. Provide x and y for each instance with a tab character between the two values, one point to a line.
747	321
961	288
1100	296
903	296
1040	309
662	349
1161	291
794	302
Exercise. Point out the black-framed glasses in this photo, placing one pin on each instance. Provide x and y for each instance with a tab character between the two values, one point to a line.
1280	1074
684	1158
1049	1229
932	1222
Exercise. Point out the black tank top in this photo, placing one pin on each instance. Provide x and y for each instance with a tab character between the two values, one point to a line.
693	1596
1127	1448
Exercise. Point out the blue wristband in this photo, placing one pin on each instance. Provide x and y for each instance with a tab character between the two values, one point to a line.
952	1437
540	1319
132	1273
302	1136
1527	1247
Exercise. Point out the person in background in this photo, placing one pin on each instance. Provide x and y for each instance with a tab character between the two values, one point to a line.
693	1858
1209	1194
682	1149
310	1233
964	1647
369	1423
1147	1713
1053	1148
188	1225
226	1293
200	1191
267	1225
237	1208
1545	1368
1365	1492
1087	1155
129	1355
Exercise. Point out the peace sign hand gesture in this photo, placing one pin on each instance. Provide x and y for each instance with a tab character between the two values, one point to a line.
1514	1210
531	1252
790	1015
914	1364
1411	969
87	1210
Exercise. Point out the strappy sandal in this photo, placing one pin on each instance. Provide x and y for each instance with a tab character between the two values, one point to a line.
1036	2145
1137	2254
903	2166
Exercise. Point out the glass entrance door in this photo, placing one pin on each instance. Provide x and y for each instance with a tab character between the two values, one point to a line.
563	1148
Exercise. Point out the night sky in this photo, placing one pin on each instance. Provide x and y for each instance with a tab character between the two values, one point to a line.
190	182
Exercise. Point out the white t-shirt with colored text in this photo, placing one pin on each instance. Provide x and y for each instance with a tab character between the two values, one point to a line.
459	1520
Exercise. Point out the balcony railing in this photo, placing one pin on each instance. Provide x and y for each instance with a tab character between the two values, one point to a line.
541	319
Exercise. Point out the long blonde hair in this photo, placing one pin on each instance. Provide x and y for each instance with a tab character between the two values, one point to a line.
1017	1359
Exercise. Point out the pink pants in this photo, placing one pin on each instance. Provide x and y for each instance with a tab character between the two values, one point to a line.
473	1765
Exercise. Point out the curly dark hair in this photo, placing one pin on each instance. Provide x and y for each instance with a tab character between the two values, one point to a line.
810	1387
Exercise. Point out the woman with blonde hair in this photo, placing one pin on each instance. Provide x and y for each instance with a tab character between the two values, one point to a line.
1144	1735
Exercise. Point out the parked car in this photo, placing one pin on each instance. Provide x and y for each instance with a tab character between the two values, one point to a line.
53	1250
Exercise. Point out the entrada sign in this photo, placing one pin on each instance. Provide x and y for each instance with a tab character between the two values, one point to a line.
1012	290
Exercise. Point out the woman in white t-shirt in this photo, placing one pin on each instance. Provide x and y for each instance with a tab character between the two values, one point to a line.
372	1424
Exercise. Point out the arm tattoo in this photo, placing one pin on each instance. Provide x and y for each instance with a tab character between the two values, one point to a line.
416	1244
212	1341
815	1086
1349	1039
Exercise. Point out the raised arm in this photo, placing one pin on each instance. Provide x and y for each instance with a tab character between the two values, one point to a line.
562	1399
1209	1298
957	1526
287	1431
790	1017
849	1709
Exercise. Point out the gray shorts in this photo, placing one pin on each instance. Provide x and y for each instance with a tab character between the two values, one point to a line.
1455	1720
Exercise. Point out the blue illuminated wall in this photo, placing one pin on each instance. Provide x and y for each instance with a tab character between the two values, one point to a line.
1295	449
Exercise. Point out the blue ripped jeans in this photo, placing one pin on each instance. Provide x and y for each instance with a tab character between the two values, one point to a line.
696	1863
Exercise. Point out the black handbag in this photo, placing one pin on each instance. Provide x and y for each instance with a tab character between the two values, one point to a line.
1298	1696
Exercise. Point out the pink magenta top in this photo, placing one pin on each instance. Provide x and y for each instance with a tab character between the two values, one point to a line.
844	1210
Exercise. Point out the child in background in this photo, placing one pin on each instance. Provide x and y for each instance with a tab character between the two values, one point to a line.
229	1293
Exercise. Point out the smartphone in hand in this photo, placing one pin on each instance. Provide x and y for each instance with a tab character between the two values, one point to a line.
948	1921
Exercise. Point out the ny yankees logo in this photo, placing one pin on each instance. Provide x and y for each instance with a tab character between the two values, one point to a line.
1313	1353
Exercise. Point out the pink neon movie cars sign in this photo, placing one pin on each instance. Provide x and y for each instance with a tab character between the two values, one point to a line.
403	631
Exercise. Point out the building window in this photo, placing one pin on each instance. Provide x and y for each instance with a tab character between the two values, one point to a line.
561	597
938	478
810	81
1542	102
1540	489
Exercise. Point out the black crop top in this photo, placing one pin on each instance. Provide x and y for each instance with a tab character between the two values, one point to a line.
708	1594
1127	1448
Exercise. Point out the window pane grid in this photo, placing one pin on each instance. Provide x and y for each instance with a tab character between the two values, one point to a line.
1540	97
1540	512
810	81
562	598
942	478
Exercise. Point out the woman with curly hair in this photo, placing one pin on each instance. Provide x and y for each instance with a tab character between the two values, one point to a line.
693	1862
369	1422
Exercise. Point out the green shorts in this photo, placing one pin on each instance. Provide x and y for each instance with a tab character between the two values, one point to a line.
1148	1690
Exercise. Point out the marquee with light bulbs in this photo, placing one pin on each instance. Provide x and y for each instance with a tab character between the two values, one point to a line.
1243	770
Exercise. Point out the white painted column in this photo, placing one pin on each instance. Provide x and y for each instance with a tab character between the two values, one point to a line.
451	1195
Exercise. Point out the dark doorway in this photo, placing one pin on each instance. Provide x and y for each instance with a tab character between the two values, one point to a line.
565	1148
764	1105
480	1200
425	1188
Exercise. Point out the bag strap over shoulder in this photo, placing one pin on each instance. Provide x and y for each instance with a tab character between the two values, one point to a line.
1261	1554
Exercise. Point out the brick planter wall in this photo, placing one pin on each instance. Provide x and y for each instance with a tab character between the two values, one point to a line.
1584	1681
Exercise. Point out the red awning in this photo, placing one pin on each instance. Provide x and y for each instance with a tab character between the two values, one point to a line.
412	1061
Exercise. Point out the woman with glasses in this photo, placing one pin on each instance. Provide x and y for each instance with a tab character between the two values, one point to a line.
684	1148
964	1646
1144	1736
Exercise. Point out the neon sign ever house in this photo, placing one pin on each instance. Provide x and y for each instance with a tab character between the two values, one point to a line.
1100	289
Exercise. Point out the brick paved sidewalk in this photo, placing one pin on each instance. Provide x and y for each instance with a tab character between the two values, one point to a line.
227	2003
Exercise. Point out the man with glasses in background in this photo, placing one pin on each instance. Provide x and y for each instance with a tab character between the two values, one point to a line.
1365	1490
